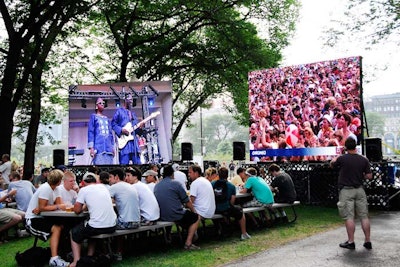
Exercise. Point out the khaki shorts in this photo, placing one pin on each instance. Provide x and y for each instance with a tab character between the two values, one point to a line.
353	201
7	214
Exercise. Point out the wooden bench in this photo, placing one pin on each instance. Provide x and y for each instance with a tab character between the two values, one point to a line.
275	206
285	205
144	228
251	210
216	217
157	226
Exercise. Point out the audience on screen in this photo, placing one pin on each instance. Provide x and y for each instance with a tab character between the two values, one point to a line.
320	99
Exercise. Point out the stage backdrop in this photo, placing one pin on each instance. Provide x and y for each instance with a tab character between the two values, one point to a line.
150	98
305	112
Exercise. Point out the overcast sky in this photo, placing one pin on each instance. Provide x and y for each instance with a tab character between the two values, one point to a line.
307	47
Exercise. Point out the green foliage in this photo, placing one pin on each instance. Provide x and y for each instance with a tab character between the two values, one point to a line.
219	132
369	20
225	147
376	124
205	48
32	28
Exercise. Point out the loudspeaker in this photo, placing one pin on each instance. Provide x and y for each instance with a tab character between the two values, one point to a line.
58	157
187	151
239	151
373	149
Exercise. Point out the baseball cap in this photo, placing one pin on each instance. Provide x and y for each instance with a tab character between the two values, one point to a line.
61	167
175	166
150	172
89	177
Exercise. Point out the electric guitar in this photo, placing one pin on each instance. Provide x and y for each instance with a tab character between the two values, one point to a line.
124	139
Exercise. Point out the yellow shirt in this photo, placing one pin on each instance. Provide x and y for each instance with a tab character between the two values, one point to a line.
236	180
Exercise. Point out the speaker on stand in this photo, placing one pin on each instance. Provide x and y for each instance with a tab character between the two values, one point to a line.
239	151
186	151
58	157
373	149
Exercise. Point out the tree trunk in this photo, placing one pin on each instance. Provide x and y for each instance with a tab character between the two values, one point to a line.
7	97
31	138
7	124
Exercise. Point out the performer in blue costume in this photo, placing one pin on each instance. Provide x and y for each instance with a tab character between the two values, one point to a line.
100	137
129	151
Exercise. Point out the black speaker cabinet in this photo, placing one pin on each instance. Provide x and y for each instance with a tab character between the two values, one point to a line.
187	151
239	151
373	149
58	157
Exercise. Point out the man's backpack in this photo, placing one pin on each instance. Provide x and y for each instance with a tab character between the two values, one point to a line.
94	261
220	191
34	256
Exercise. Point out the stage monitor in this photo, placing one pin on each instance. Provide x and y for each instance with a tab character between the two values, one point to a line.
305	112
98	119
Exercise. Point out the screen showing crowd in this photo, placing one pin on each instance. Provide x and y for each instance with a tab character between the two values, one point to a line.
305	112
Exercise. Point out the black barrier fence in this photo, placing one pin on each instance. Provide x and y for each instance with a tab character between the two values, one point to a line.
316	183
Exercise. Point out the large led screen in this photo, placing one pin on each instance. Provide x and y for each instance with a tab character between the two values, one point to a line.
122	123
305	112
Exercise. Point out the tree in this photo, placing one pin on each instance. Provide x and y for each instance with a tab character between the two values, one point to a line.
32	28
219	132
375	124
371	21
204	47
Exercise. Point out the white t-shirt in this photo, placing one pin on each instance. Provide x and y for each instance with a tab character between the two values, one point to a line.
181	178
68	197
127	201
149	208
43	192
151	186
98	201
203	192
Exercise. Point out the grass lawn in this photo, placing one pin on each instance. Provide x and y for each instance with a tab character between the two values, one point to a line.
214	252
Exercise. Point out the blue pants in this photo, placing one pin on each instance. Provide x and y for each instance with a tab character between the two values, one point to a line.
103	159
124	159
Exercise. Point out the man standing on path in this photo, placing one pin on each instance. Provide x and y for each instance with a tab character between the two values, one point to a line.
353	169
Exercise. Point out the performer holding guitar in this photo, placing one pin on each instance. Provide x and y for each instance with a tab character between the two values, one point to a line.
123	118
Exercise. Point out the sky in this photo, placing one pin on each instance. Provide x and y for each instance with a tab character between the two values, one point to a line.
307	47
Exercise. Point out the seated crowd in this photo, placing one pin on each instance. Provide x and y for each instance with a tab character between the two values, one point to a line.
118	200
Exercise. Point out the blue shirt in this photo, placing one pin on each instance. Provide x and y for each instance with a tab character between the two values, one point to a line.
170	196
25	190
100	135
